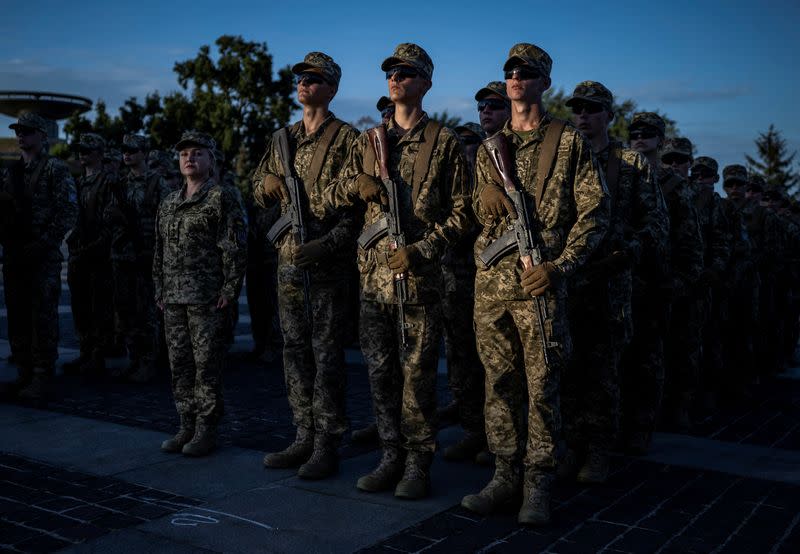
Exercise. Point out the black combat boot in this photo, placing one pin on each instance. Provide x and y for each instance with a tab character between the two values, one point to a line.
296	454
536	499
324	461
503	488
36	389
184	436
416	481
595	469
386	475
204	441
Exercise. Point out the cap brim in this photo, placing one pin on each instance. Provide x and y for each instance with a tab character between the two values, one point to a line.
514	61
485	91
701	164
575	99
184	143
304	67
15	126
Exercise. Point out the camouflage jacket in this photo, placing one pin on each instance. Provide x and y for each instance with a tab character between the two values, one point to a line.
765	234
91	237
572	217
337	230
740	261
439	217
715	230
201	246
132	215
685	239
43	211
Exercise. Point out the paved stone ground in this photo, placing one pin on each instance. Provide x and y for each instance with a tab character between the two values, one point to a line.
84	473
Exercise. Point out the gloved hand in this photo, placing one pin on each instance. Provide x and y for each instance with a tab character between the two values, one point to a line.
370	189
306	255
274	188
404	259
539	278
496	203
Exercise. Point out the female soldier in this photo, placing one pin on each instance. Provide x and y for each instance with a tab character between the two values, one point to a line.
198	268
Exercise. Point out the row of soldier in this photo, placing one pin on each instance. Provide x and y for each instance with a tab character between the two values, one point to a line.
649	284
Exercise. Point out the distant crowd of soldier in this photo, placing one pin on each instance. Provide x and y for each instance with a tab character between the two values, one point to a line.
586	292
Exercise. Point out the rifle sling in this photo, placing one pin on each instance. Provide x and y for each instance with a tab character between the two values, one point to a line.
321	152
547	155
612	171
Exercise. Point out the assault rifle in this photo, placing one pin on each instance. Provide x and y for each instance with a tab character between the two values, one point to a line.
293	218
519	235
389	225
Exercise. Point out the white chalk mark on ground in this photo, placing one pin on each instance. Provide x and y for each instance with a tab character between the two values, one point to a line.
167	503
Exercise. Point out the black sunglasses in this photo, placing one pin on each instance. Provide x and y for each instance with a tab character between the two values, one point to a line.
586	107
672	159
310	79
402	72
643	134
522	73
493	104
21	131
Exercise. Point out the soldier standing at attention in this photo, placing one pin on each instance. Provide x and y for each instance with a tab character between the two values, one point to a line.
494	107
198	268
425	164
89	266
132	213
601	291
312	275
551	164
41	206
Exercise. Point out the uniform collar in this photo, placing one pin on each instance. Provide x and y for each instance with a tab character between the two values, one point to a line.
301	129
535	136
414	134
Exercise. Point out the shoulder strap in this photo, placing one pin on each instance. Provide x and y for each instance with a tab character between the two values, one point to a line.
612	171
369	159
547	155
31	185
315	169
424	155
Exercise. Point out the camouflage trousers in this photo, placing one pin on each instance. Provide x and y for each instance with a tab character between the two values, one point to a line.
465	373
136	309
196	345
715	307
313	355
402	379
642	365
32	292
92	308
737	330
510	347
590	388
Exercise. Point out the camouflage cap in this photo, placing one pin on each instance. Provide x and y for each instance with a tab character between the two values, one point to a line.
92	141
529	54
492	87
112	155
159	158
592	91
196	138
471	127
411	54
707	162
756	182
31	121
648	119
677	145
138	142
319	62
734	172
383	103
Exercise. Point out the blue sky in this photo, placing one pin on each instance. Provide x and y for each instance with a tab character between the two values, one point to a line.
722	70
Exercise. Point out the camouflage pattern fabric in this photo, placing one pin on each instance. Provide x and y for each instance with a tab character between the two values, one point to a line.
196	344
319	62
403	381
531	55
411	54
573	216
201	247
314	350
438	218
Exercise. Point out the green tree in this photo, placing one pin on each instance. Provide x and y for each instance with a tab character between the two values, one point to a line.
76	124
446	119
774	162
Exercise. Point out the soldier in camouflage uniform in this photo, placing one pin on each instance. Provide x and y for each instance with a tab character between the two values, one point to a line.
89	267
789	278
164	163
132	214
717	249
434	208
494	107
112	161
465	373
40	206
671	295
313	351
601	291
198	268
571	214
386	108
